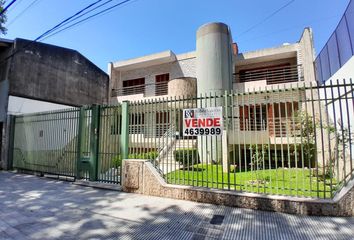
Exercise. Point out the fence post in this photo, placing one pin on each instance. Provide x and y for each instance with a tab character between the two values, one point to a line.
124	137
79	141
224	142
94	137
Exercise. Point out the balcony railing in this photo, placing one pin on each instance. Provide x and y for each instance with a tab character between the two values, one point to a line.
273	75
153	89
278	126
284	127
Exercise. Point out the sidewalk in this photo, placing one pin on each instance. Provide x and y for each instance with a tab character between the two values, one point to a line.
40	208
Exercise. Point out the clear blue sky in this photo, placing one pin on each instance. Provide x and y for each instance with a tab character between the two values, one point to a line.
148	26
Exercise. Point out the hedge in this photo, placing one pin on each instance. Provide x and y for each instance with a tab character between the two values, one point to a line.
117	160
187	156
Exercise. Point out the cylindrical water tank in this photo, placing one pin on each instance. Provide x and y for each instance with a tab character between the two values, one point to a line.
214	58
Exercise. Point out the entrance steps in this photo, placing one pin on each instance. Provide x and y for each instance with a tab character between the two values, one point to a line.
167	163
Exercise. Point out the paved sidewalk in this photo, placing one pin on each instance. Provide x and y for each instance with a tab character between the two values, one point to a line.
40	208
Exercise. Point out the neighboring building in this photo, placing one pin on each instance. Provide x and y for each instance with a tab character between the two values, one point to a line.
335	66
336	59
38	77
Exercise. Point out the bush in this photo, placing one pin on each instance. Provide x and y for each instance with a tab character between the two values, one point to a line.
117	160
149	155
187	156
233	168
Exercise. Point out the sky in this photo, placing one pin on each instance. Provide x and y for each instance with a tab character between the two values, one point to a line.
143	27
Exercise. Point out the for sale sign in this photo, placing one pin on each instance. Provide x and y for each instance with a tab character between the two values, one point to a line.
202	121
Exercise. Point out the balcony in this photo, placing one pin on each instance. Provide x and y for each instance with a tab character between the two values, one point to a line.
153	89
276	130
272	75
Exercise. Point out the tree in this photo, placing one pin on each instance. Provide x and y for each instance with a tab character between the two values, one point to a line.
306	125
2	18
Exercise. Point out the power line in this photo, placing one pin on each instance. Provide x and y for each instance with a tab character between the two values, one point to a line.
14	6
83	14
88	18
66	20
266	18
7	7
51	30
314	21
22	12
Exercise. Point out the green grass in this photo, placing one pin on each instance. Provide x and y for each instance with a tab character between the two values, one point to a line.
281	181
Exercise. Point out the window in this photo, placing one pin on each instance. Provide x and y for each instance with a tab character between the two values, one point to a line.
41	133
137	122
162	122
253	118
272	74
285	110
134	86
284	119
161	87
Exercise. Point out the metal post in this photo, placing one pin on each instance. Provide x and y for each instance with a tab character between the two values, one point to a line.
224	143
94	135
79	141
124	137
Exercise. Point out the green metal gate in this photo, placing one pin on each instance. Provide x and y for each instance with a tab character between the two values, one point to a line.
81	143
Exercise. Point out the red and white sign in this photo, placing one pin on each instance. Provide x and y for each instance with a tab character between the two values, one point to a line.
202	121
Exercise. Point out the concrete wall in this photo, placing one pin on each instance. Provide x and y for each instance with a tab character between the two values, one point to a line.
345	72
18	105
5	50
47	73
306	55
55	74
344	77
4	89
139	176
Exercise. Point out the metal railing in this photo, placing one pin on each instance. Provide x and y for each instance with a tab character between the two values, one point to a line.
273	75
293	140
152	89
64	143
289	141
53	151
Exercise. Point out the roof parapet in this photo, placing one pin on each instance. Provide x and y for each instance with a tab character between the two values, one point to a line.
146	61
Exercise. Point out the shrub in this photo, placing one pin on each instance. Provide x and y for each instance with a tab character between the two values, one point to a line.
233	168
117	160
148	155
187	156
